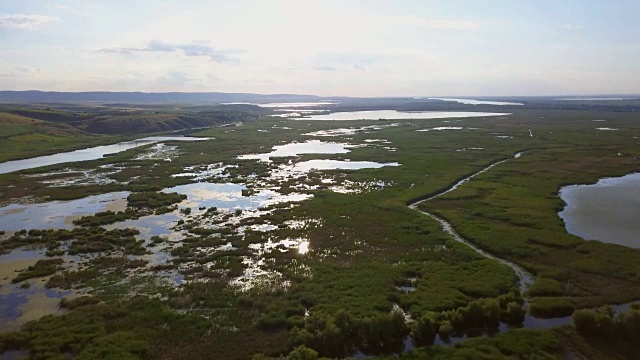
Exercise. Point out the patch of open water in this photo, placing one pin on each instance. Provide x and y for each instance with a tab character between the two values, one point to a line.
348	131
58	214
295	149
477	102
394	115
230	196
19	305
283	104
440	128
608	210
93	153
306	166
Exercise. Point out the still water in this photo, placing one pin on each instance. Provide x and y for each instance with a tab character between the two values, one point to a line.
93	153
476	102
608	210
296	148
58	214
394	114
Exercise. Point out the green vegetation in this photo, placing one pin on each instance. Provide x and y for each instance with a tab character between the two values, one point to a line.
23	136
154	200
42	268
139	204
616	335
78	302
370	255
76	241
341	335
140	329
511	211
107	217
515	344
99	268
548	307
546	287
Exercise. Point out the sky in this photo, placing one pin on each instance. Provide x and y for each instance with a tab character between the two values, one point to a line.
329	48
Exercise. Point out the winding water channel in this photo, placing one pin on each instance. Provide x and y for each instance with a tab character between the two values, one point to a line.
525	279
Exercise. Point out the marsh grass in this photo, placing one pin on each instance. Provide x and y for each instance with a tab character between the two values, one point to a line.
368	244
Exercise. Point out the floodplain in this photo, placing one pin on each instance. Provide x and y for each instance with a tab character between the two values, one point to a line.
437	237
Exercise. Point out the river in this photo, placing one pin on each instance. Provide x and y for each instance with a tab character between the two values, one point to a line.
93	153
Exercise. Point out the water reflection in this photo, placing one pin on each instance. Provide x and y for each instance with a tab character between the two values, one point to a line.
477	102
295	149
394	114
607	210
19	304
58	214
87	154
230	196
307	166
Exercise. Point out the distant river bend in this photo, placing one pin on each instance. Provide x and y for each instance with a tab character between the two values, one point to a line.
93	153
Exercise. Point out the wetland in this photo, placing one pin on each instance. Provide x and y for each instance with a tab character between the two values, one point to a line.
442	234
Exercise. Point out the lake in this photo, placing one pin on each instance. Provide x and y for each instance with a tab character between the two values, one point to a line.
394	115
608	210
477	102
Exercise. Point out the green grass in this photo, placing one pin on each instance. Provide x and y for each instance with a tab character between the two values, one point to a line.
546	287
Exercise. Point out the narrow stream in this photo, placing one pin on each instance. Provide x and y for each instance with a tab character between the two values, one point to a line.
525	279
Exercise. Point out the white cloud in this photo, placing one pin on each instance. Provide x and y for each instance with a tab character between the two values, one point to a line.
442	24
24	21
336	61
72	10
572	27
188	49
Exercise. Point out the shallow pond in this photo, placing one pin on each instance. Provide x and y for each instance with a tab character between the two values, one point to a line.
58	214
441	128
295	149
608	210
394	114
229	196
307	166
348	131
19	305
87	154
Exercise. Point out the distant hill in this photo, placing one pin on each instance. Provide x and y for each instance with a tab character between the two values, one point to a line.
147	98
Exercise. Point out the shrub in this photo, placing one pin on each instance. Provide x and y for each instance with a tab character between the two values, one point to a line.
303	353
446	329
425	330
514	314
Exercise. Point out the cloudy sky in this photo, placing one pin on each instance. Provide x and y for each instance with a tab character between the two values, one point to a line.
351	48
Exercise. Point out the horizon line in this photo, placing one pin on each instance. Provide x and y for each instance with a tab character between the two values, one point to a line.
415	97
